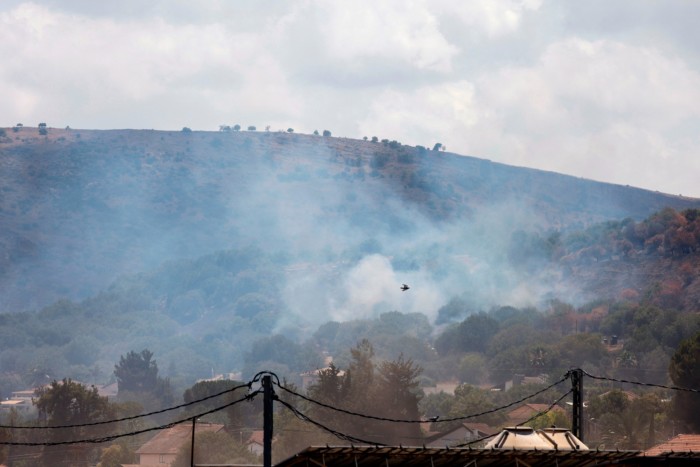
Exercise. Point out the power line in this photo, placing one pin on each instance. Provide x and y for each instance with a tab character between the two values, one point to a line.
662	386
336	433
538	414
133	417
132	433
445	420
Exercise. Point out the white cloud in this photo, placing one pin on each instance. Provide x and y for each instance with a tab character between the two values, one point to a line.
79	65
389	30
597	109
493	18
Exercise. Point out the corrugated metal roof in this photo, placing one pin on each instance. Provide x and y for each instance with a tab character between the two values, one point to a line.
366	456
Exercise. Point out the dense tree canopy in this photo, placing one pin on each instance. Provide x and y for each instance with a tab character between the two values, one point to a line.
69	403
685	372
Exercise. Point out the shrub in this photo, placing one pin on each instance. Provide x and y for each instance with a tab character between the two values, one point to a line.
326	133
251	128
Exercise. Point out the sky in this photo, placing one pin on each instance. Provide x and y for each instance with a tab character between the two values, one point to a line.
608	91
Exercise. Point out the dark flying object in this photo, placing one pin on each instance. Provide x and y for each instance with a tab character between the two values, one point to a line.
404	287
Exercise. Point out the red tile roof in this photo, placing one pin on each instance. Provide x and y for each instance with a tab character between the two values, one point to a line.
681	443
526	411
256	436
169	441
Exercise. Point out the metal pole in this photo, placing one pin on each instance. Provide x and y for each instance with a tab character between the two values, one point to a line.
267	420
577	414
194	424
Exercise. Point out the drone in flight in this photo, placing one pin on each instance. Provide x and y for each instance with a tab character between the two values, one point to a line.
404	287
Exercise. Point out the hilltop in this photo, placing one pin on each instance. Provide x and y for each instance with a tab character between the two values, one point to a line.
80	208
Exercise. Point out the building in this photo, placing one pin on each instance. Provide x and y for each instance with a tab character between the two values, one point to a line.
255	443
676	446
162	449
464	433
525	412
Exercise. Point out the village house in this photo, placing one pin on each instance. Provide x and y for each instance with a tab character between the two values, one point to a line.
162	449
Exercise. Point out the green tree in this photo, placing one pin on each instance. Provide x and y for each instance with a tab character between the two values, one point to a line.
329	387
397	396
472	368
116	455
137	379
70	403
684	370
471	335
469	400
136	372
326	133
293	434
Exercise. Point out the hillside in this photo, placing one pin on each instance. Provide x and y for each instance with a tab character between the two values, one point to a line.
80	208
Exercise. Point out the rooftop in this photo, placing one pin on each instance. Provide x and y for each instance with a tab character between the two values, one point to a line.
678	444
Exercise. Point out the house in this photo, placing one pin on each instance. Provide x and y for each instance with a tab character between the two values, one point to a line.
162	449
108	390
255	443
448	387
525	412
464	433
22	406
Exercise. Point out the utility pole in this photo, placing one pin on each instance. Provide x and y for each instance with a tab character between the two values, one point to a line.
577	413
194	426
267	420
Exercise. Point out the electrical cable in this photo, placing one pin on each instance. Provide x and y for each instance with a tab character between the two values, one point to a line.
538	414
133	417
662	386
445	420
337	434
105	439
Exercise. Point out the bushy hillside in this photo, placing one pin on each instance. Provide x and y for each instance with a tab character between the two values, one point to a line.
227	251
79	208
